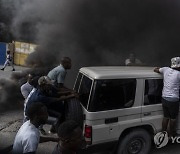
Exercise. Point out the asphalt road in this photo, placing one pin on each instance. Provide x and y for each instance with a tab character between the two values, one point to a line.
10	121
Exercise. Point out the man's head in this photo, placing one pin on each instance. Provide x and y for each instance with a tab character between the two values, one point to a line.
175	63
44	80
8	51
71	136
37	112
34	81
132	57
45	84
66	62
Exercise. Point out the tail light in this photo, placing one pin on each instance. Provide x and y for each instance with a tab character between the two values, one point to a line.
88	134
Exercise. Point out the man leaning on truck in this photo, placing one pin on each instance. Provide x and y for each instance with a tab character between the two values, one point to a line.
170	95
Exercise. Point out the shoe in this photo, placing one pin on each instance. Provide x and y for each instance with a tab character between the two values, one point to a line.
2	69
42	131
13	69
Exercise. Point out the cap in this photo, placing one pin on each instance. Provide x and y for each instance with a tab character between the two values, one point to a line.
175	62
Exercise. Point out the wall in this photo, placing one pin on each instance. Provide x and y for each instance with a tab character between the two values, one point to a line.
3	48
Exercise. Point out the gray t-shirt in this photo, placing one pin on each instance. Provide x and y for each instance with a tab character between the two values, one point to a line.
128	61
57	74
27	139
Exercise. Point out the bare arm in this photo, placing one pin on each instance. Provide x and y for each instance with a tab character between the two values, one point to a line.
64	92
156	70
68	97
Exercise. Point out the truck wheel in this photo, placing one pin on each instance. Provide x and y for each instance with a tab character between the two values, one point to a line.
73	111
137	141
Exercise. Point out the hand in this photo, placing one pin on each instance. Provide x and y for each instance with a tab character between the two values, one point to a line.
156	69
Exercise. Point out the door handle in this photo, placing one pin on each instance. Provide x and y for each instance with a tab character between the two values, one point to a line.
147	114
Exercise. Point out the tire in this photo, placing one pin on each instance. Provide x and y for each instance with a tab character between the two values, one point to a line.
137	141
73	111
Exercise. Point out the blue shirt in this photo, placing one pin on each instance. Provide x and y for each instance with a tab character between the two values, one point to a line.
38	96
57	74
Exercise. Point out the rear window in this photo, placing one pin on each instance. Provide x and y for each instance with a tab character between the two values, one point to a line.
78	81
112	94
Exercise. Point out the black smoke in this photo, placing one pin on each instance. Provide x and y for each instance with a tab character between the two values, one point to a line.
100	32
6	15
10	95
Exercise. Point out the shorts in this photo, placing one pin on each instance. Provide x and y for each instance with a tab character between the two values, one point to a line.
170	109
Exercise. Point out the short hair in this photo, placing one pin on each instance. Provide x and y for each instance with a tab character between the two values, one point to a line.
65	60
66	129
34	81
34	109
43	80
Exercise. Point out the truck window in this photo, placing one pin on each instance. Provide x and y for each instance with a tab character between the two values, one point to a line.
112	94
84	90
153	91
77	83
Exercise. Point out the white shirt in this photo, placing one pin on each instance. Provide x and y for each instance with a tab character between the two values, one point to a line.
27	139
171	82
26	89
137	61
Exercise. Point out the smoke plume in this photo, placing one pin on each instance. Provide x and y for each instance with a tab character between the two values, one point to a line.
10	95
100	32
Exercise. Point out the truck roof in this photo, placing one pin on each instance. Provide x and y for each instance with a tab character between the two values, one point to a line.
116	72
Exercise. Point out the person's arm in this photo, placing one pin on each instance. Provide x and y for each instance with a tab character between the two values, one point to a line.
64	89
157	69
30	153
47	139
48	99
64	93
62	98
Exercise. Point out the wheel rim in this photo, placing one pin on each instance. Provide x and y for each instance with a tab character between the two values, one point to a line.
135	146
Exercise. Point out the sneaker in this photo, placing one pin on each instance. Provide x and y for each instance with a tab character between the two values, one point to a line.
2	69
42	131
13	69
